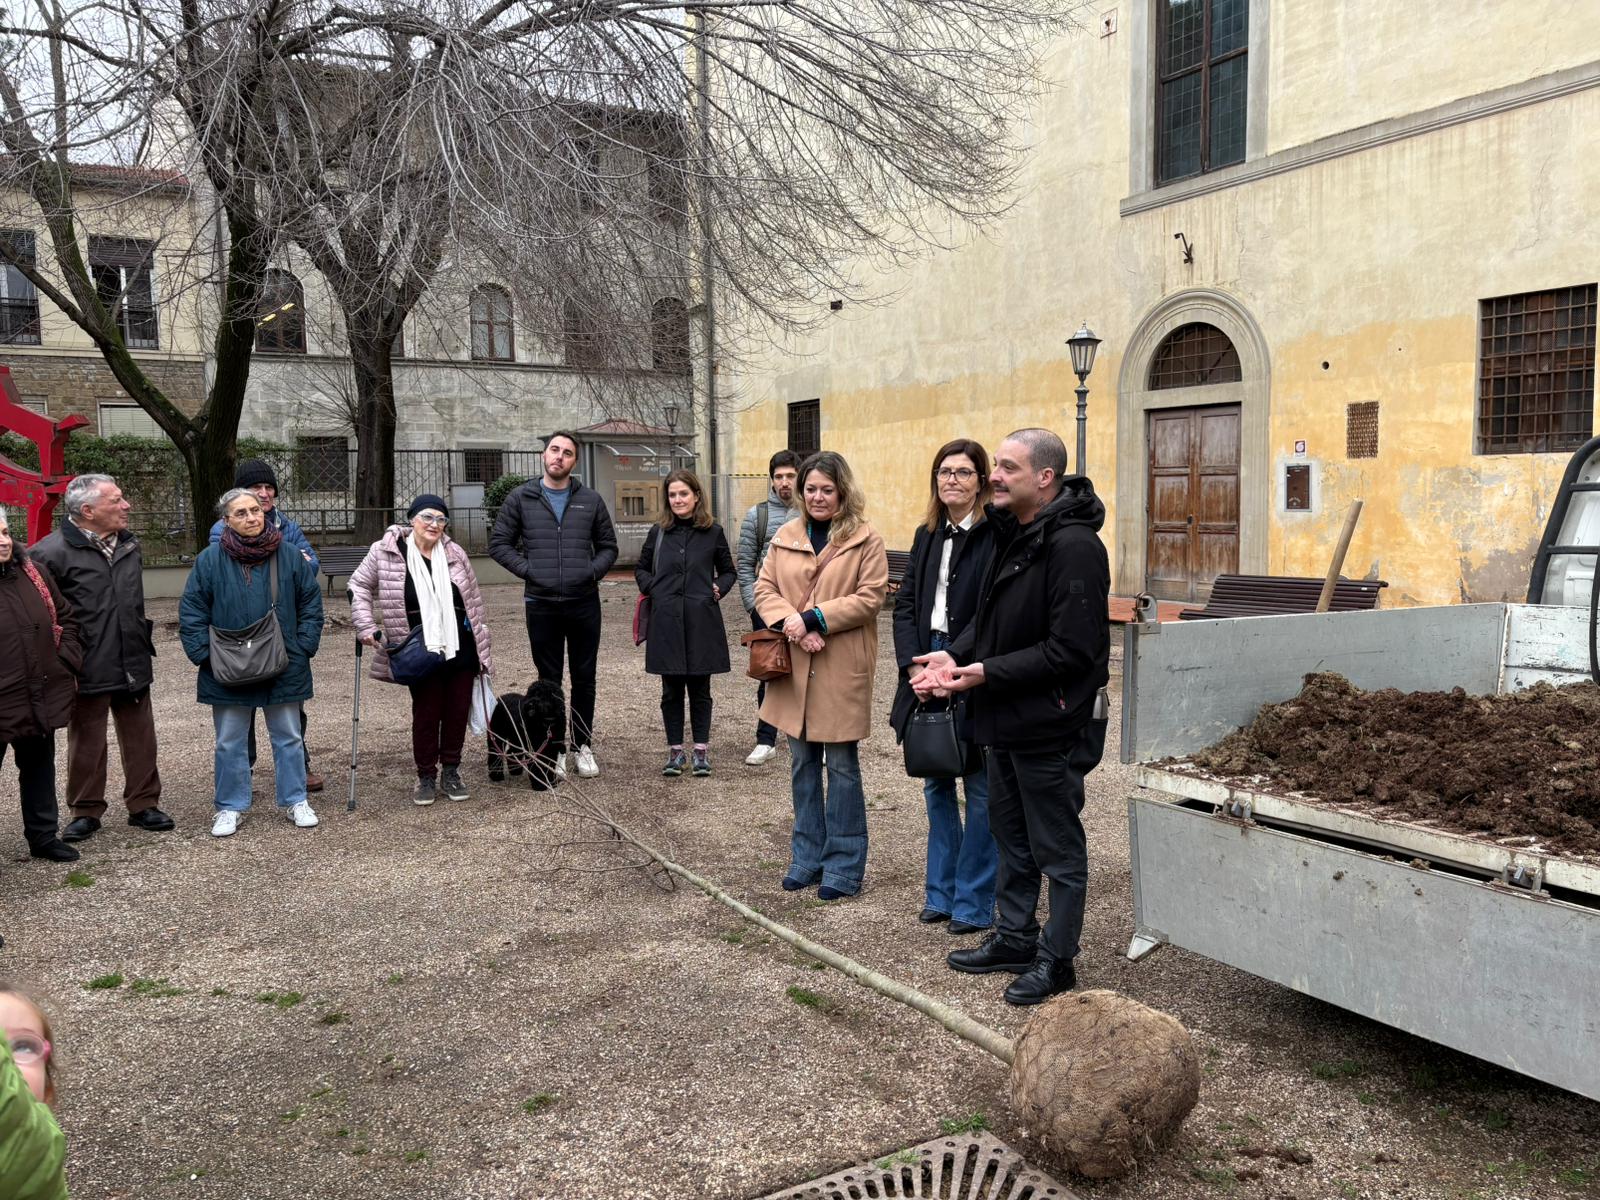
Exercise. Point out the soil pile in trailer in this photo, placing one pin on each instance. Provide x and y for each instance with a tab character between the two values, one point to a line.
1524	764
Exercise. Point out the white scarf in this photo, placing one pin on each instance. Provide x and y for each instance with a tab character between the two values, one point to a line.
435	604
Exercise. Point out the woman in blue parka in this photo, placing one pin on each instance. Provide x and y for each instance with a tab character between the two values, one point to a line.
230	588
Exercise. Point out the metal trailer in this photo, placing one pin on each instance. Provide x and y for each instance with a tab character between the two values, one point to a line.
1488	947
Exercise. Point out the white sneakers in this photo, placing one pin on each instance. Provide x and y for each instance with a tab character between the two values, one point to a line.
587	767
226	822
761	755
558	766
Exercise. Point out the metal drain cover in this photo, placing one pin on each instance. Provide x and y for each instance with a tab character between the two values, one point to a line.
961	1167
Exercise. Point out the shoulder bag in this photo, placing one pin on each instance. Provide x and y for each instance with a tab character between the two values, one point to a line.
254	654
769	649
410	660
932	748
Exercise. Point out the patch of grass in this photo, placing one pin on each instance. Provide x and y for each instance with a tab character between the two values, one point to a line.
976	1123
540	1102
1424	1078
220	991
341	1132
79	879
415	1156
322	1091
806	998
105	983
360	1149
1217	1177
334	1018
768	864
1576	1177
294	1114
1345	1068
283	1001
1366	1098
904	1158
397	977
734	937
189	1174
1346	1188
156	988
1496	1119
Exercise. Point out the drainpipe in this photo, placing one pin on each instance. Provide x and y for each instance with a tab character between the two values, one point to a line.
707	285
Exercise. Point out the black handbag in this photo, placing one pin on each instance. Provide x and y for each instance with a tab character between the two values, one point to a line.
410	660
932	748
254	654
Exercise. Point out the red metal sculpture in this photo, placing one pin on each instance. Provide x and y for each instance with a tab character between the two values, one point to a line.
36	492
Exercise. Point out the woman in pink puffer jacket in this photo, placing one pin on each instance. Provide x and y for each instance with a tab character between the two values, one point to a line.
416	577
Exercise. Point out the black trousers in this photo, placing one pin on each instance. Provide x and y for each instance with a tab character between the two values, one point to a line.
1035	802
36	779
699	689
304	745
570	629
766	735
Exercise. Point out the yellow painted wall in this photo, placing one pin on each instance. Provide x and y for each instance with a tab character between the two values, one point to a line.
1373	262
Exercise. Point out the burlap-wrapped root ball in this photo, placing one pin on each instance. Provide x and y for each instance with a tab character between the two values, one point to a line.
1101	1080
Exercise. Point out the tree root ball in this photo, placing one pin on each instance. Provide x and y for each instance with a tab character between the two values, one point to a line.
1100	1080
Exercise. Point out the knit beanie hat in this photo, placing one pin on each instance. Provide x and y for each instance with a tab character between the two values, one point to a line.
427	500
253	471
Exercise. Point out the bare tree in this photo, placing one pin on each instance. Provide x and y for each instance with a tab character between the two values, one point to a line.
603	153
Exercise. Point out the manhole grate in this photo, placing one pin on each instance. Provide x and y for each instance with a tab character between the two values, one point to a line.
963	1167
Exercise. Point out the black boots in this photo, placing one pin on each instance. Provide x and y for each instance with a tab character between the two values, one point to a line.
995	953
1047	977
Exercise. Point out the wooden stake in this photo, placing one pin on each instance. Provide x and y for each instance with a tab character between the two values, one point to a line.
1337	565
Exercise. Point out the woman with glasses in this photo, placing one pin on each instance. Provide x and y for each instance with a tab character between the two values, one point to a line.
950	555
416	579
32	1150
250	572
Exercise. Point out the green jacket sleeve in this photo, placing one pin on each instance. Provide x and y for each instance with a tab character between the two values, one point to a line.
33	1153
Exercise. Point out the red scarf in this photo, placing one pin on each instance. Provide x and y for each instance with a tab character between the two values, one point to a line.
250	551
44	594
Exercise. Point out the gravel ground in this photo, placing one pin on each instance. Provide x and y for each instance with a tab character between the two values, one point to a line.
472	1001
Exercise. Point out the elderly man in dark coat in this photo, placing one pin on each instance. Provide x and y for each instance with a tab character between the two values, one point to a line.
97	563
39	654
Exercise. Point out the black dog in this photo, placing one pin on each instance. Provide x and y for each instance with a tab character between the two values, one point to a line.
527	732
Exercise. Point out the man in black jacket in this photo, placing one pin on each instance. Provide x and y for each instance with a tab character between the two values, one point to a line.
1034	662
98	566
556	534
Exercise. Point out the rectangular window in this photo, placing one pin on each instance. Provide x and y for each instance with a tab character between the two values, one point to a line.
321	464
1536	371
122	418
805	427
638	501
1202	84
19	303
482	465
668	195
122	269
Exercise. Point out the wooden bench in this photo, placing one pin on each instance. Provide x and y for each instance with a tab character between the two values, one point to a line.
340	560
1276	595
899	560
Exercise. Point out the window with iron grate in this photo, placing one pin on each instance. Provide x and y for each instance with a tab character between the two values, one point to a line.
1361	430
1202	86
482	464
1192	356
1536	371
19	302
805	427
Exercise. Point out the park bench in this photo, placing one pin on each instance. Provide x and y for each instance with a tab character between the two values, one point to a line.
340	560
1275	595
899	560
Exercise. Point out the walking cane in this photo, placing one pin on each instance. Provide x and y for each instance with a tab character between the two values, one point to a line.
355	718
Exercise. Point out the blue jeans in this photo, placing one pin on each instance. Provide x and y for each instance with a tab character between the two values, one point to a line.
830	836
232	722
961	862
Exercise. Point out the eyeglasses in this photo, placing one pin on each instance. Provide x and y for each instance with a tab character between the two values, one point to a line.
433	519
961	473
26	1048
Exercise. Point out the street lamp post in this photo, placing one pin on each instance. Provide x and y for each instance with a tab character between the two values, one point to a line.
1083	345
670	411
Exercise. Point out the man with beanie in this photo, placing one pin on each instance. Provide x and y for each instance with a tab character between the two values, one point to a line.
557	535
257	475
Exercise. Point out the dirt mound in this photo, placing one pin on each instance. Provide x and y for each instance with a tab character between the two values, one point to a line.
1525	764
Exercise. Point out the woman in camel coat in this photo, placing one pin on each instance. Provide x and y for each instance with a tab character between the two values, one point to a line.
823	584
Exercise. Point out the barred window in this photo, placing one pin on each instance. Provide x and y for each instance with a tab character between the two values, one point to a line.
122	269
482	464
1192	356
491	324
1536	371
19	302
805	427
281	315
1202	86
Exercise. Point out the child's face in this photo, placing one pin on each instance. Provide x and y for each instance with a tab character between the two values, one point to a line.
22	1023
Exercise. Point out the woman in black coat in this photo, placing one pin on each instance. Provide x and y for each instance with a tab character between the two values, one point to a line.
39	663
686	569
937	600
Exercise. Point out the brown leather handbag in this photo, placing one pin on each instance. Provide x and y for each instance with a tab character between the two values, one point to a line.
769	649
